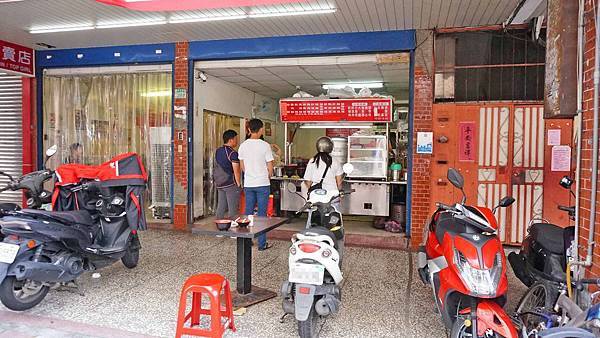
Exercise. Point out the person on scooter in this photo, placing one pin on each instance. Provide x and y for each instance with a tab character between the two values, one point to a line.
323	171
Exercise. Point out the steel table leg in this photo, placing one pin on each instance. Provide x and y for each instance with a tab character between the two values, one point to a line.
244	265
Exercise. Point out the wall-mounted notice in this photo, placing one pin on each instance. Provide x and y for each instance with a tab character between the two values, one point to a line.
425	142
561	158
553	137
466	145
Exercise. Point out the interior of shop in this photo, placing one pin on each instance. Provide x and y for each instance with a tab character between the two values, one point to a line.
230	91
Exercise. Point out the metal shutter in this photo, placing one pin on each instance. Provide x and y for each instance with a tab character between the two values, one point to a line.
11	136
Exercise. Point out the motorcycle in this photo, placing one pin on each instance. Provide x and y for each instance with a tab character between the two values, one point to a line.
315	260
44	249
464	261
33	185
544	253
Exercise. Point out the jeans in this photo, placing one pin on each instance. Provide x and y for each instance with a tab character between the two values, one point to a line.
258	196
228	201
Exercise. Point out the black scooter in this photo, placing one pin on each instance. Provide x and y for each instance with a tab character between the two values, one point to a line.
43	249
545	250
32	185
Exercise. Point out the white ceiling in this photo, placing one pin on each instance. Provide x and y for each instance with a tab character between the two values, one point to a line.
351	16
310	73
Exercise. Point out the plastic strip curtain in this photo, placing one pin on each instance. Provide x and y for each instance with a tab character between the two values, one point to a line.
92	118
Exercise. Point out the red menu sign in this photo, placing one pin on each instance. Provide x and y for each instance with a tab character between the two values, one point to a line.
336	110
17	59
467	141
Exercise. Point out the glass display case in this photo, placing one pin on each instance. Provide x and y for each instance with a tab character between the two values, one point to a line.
368	154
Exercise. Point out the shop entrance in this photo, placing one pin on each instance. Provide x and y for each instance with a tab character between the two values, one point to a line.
253	88
502	149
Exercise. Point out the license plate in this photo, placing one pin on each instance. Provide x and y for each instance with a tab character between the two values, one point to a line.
307	273
8	252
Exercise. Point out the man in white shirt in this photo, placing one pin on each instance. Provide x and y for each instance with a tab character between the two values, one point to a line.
256	161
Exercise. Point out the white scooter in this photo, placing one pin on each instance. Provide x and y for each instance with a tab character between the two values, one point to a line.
313	286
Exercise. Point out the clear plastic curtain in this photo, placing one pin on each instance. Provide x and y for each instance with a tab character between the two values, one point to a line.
111	114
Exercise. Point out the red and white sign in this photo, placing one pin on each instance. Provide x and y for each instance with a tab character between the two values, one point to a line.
336	110
466	146
186	5
17	59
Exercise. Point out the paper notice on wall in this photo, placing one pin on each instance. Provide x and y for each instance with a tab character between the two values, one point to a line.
561	158
425	142
180	112
466	145
553	137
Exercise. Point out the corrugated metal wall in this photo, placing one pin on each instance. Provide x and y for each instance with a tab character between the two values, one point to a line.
11	138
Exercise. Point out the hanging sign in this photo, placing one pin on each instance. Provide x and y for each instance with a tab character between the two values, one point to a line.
425	142
466	147
17	59
336	110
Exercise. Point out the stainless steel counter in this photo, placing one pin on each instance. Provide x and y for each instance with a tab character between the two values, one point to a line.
372	198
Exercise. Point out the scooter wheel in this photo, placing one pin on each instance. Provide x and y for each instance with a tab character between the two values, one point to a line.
309	328
18	296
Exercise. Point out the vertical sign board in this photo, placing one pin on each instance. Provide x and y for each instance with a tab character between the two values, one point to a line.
466	145
17	59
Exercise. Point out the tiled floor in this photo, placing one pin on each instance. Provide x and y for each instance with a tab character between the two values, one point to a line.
382	296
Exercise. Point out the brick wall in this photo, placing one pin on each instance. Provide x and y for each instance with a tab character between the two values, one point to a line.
422	121
586	138
421	164
180	144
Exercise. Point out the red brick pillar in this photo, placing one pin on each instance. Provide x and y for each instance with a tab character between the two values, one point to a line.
421	163
180	144
586	145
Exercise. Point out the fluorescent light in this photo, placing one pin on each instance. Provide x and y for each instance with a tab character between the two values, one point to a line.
6	1
207	18
158	93
354	85
60	29
131	24
336	126
292	13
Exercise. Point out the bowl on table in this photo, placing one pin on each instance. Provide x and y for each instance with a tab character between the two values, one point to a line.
223	224
243	222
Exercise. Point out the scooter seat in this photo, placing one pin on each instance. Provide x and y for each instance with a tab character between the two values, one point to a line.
549	236
76	216
321	231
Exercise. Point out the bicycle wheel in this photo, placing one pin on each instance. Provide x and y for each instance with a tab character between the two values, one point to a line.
535	304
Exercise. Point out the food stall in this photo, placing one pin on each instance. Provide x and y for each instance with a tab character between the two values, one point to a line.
360	130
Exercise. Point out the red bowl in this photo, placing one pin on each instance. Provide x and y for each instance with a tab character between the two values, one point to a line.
223	224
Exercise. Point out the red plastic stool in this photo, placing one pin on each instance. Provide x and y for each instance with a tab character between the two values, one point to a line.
214	286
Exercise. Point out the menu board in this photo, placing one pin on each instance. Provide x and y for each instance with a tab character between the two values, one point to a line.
336	110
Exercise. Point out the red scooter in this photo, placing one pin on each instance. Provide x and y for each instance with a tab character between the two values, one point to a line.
464	261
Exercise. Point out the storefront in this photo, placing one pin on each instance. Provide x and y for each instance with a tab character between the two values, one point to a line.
94	112
16	69
248	77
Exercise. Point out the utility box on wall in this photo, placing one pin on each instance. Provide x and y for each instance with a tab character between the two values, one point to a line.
561	60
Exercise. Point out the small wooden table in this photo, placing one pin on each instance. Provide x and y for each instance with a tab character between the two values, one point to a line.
246	294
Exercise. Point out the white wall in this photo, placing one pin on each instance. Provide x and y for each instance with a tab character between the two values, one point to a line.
223	97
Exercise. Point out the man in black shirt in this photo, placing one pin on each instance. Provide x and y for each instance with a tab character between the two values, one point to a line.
227	176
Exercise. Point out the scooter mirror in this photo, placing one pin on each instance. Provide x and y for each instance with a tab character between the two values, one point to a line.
291	187
348	168
51	151
456	178
506	201
566	182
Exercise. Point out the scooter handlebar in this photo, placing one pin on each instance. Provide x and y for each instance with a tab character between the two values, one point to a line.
443	206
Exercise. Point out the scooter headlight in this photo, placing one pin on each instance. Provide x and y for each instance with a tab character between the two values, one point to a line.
481	282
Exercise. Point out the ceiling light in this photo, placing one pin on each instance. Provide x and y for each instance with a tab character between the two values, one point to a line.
292	13
5	1
337	126
158	93
353	85
60	29
131	24
207	18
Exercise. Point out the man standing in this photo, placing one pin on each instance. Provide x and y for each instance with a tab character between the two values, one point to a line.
256	160
227	176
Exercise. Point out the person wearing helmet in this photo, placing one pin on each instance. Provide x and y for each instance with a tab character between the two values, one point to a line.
323	171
